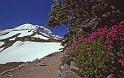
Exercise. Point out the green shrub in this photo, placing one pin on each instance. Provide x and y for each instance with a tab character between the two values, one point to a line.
101	53
95	63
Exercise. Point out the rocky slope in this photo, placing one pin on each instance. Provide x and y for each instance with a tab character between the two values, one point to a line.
47	67
50	66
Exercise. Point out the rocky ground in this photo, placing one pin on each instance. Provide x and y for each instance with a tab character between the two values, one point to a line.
8	66
47	67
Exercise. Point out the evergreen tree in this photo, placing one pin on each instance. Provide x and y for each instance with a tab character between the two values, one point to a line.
83	15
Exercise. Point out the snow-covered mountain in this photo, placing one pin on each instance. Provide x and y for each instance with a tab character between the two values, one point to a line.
27	42
34	31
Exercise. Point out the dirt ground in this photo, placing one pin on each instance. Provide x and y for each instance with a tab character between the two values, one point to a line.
8	66
46	67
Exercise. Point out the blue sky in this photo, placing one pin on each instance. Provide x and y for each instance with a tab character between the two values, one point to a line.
16	12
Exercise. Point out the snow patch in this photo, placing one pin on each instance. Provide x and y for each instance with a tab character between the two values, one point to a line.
1	43
10	34
28	51
12	39
40	36
1	49
26	26
25	33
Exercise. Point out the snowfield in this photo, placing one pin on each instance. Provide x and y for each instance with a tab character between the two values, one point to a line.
28	51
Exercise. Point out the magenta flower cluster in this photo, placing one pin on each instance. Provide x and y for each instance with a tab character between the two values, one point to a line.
109	36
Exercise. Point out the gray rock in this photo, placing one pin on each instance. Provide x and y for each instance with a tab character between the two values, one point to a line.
111	76
66	72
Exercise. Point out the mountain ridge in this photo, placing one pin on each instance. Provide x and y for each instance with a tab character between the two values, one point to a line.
31	29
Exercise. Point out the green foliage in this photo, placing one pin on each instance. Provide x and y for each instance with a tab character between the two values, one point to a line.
98	58
83	13
82	16
72	35
95	62
101	53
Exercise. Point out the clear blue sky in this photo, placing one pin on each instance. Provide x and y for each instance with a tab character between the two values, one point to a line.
17	12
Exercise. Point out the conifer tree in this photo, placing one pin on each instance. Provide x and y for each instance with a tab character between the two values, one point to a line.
83	15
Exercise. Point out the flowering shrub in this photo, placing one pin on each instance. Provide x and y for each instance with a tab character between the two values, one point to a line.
100	53
94	62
